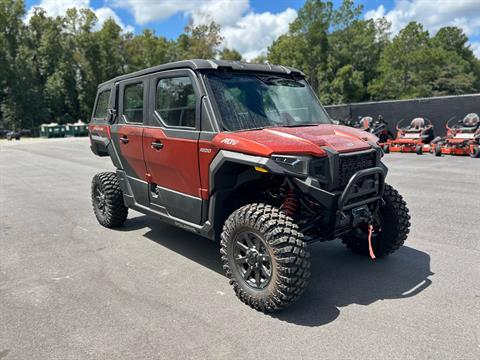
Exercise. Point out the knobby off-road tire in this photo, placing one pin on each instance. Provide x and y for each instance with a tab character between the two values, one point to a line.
277	245
107	200
394	229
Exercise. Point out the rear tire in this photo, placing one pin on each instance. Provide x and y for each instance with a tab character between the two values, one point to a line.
386	149
419	149
261	239
107	200
395	227
438	150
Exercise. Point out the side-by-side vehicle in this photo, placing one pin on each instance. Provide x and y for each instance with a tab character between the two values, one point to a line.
243	154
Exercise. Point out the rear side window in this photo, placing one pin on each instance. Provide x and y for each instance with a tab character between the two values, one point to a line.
102	105
175	101
133	102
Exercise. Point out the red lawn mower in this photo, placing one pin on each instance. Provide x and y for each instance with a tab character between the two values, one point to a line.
463	138
377	127
415	137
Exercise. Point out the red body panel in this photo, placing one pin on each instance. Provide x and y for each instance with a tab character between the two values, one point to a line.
98	130
175	166
306	140
183	165
132	151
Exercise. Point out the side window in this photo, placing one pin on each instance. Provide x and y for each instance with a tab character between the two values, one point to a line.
102	105
175	101
133	102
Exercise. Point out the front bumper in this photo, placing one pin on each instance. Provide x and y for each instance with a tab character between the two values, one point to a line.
364	187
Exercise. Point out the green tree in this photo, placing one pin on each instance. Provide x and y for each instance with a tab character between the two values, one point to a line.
199	42
286	50
354	54
310	29
146	50
230	54
461	68
330	45
407	66
260	59
11	32
87	55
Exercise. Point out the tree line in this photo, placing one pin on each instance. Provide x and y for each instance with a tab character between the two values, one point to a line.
50	67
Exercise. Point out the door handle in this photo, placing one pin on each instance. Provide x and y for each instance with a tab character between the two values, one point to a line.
157	145
124	139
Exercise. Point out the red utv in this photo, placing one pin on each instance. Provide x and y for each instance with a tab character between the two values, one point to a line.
243	154
463	138
415	137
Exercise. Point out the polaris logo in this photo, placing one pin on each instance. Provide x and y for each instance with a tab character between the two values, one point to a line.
229	141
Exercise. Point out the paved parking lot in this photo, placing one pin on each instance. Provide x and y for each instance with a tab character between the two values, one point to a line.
71	289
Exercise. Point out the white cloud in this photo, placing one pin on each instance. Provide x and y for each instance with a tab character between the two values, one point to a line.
106	13
221	11
433	15
246	31
253	33
59	7
145	11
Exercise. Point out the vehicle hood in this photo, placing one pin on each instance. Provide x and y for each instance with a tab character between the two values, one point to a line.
305	140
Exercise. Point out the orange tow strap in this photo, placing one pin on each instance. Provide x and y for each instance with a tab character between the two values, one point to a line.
370	249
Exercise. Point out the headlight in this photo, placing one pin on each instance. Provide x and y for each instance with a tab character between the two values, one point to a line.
293	163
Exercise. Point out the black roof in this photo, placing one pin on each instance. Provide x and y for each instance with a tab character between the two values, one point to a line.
198	64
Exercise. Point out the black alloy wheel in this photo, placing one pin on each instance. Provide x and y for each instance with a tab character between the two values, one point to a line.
252	259
99	201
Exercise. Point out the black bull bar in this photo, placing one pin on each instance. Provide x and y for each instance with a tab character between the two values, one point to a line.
364	187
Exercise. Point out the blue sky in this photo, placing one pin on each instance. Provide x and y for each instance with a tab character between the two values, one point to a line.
251	25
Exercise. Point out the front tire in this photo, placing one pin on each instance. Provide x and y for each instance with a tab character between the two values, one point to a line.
264	257
107	200
419	149
386	149
476	152
438	150
395	226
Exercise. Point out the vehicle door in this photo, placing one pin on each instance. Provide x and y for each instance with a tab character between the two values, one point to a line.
171	145
127	133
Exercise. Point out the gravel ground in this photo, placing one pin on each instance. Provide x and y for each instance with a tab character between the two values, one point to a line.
71	289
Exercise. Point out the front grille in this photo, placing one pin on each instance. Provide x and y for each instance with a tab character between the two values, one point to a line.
351	163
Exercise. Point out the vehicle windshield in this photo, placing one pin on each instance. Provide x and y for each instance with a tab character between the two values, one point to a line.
257	101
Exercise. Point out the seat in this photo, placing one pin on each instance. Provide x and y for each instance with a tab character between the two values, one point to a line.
417	123
471	120
366	122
